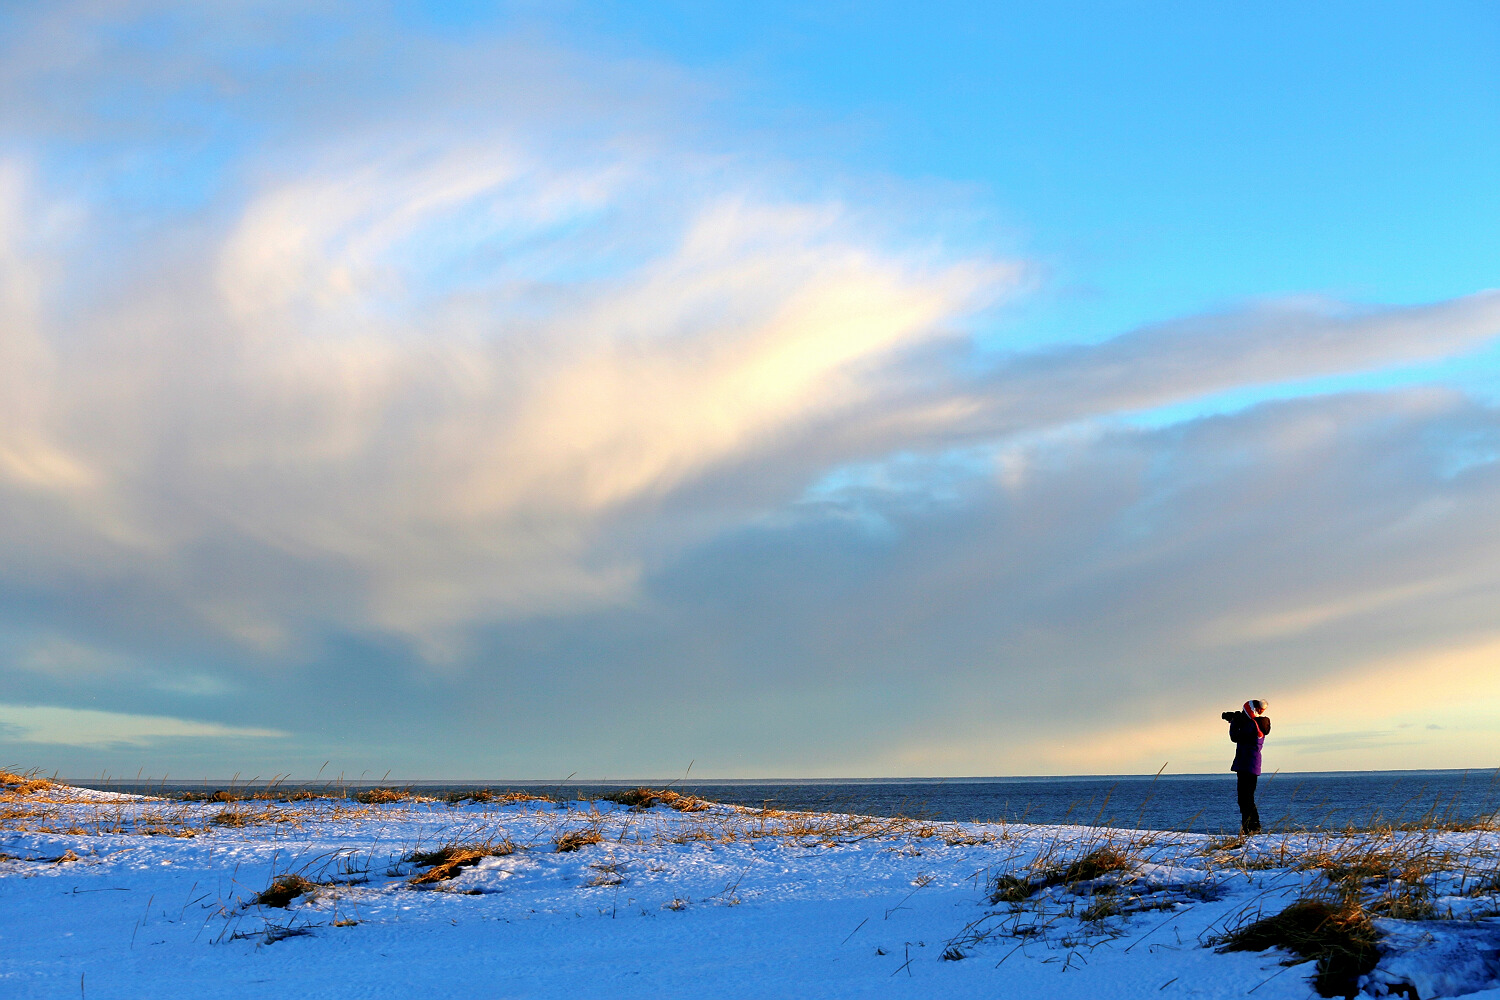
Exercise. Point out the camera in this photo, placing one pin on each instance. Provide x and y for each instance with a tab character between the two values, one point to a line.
1228	716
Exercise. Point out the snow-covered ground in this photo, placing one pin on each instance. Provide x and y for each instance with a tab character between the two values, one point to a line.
105	896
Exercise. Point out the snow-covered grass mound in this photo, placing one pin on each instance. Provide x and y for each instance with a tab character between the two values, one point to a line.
107	895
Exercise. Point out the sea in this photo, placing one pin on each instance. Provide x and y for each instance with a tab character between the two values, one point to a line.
1204	803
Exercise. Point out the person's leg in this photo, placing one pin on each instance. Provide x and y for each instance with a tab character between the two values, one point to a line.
1245	792
1253	814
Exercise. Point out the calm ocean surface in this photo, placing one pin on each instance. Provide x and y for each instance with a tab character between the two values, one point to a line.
1197	802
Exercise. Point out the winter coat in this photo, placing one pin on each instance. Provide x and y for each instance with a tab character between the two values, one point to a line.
1248	738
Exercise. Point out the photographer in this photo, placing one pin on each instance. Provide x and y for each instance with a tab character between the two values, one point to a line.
1248	729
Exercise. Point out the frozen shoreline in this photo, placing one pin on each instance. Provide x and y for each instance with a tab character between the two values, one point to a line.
722	902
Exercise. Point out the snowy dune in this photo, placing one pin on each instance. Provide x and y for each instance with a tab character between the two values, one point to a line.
105	895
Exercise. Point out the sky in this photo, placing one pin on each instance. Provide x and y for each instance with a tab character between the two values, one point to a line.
516	390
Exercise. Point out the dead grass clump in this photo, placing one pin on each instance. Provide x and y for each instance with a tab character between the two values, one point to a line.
831	828
240	817
274	794
1478	883
1105	905
961	838
381	796
691	834
1354	856
1339	937
503	797
1407	902
636	798
162	830
450	859
283	889
9	813
1097	863
1009	888
1360	866
154	823
1101	861
575	839
1389	870
645	798
14	785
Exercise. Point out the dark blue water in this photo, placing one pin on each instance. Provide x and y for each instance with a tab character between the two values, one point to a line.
1196	802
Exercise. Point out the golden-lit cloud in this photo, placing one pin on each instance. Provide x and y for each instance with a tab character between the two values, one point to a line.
1435	708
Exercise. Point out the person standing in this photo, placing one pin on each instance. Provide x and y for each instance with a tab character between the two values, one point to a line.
1248	728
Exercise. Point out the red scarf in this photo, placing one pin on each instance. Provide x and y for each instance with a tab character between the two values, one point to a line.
1250	711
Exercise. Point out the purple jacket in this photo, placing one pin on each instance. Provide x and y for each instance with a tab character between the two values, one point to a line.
1248	740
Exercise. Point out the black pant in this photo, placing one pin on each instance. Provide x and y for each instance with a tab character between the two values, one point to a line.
1249	815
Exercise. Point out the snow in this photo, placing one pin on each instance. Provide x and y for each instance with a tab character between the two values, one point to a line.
722	903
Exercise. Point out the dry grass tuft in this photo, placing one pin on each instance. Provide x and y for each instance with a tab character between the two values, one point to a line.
234	818
158	823
1101	861
963	838
575	839
1358	860
449	860
645	798
239	817
503	797
1008	888
274	793
13	786
1337	935
283	890
381	796
9	814
1097	863
694	834
1105	904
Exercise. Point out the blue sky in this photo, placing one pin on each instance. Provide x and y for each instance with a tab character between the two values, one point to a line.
488	391
1161	158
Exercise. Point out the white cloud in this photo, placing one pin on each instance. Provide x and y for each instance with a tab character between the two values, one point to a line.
382	378
443	367
312	404
81	727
